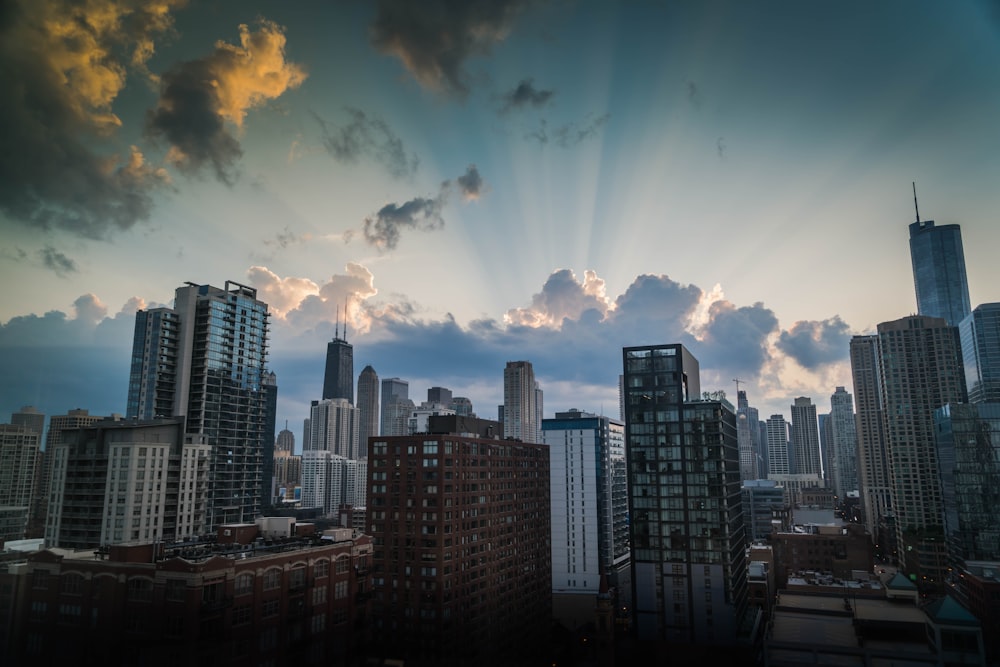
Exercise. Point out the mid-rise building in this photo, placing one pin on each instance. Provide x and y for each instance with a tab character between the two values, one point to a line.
920	370
367	409
843	443
19	447
764	508
980	336
939	276
804	443
522	412
589	507
127	481
204	360
688	538
461	536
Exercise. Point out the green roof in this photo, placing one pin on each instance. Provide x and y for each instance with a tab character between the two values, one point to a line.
900	582
948	610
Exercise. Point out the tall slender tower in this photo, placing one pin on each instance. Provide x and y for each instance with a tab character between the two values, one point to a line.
805	437
204	360
689	570
920	370
367	409
843	443
778	462
939	276
521	415
748	455
269	386
338	380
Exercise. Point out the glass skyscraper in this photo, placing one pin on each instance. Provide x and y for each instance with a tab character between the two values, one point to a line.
338	380
939	271
204	360
980	335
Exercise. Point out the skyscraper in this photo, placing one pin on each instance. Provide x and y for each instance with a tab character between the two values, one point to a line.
873	456
522	418
204	360
394	391
367	409
748	456
334	427
269	386
920	370
805	438
338	380
980	335
440	395
778	461
939	270
843	443
19	447
689	571
589	505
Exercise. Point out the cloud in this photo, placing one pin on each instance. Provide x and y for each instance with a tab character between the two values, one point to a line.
433	39
370	136
562	297
62	66
736	337
383	229
694	94
523	95
816	343
56	261
568	135
200	99
720	148
470	183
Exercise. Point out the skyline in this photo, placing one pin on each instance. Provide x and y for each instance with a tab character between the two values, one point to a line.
570	178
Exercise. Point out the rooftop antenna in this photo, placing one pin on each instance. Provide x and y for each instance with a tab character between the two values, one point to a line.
336	332
345	322
915	200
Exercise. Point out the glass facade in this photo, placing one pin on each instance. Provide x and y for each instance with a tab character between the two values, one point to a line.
980	336
939	276
338	380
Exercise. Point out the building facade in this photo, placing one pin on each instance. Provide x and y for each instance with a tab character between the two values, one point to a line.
333	425
980	336
939	277
461	536
367	409
778	459
204	360
589	508
338	378
843	444
396	405
522	415
19	453
127	481
689	570
805	438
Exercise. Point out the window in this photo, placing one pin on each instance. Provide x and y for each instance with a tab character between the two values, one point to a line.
343	565
71	584
244	584
321	568
340	590
140	589
270	608
297	578
175	590
242	615
40	579
318	623
272	579
319	595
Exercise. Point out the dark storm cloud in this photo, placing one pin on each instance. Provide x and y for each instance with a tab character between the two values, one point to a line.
524	95
61	70
368	135
382	230
470	183
199	99
815	343
434	38
568	135
57	262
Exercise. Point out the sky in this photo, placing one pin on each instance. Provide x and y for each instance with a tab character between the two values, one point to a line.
457	185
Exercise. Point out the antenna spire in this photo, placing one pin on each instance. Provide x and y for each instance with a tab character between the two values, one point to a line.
345	322
915	201
336	331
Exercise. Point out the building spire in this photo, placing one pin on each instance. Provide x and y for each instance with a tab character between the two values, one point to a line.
915	200
336	331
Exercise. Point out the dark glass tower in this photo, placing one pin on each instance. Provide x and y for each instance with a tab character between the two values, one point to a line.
939	277
980	335
689	569
338	380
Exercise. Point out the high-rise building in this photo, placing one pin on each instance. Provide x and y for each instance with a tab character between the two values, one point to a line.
589	507
968	444
939	270
329	481
29	416
19	448
462	406
204	360
778	461
744	438
920	370
980	335
461	534
805	455
285	441
120	481
394	390
440	395
843	444
338	380
367	409
522	416
269	386
689	570
334	427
